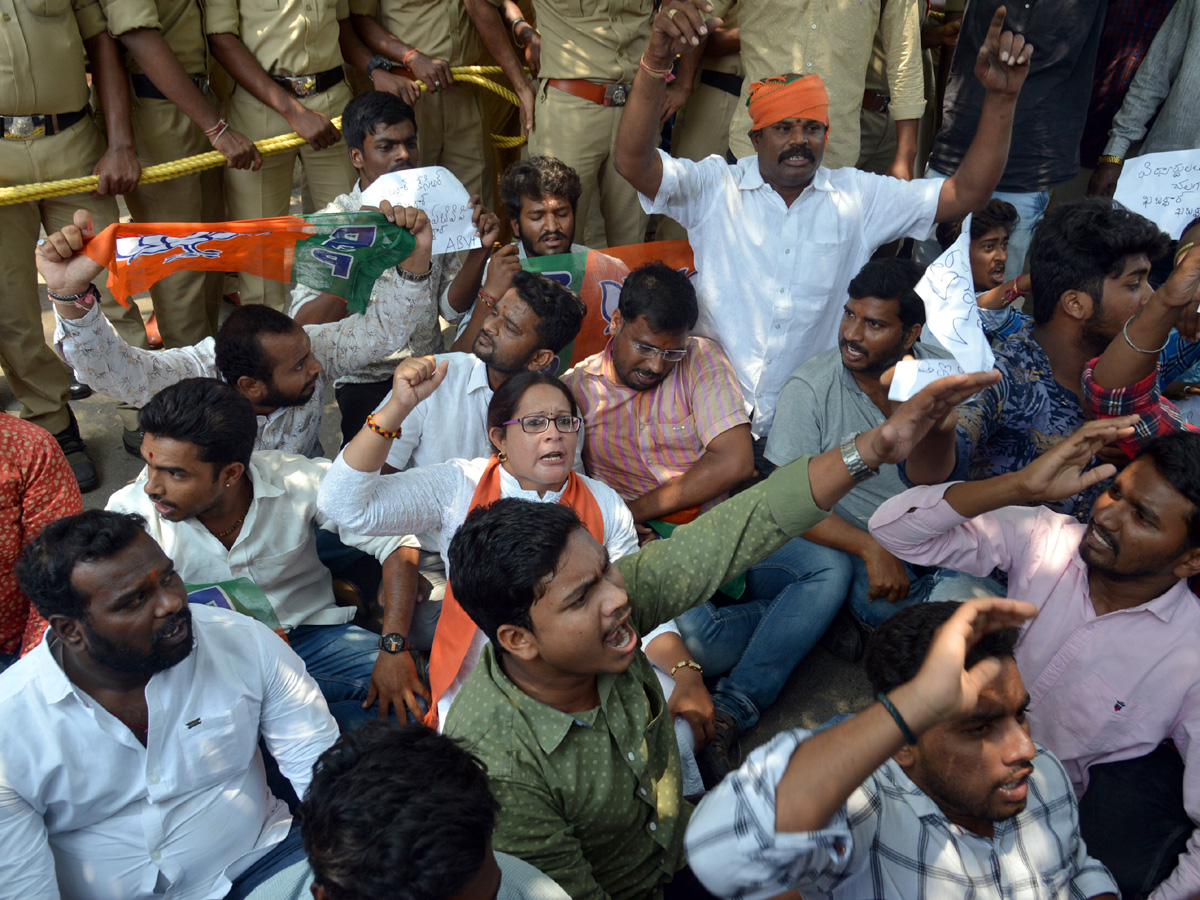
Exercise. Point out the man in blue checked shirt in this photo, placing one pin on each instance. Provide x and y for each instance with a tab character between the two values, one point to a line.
934	791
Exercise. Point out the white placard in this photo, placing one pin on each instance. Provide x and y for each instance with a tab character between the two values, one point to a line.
952	317
1163	187
439	194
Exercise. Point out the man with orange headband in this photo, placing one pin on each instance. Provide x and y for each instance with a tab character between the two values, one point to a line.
778	237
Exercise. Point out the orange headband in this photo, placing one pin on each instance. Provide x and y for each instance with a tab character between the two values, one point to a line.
786	97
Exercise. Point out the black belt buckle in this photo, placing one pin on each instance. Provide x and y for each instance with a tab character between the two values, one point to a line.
24	128
616	94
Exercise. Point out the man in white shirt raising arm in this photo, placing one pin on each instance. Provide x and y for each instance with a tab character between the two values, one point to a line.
777	236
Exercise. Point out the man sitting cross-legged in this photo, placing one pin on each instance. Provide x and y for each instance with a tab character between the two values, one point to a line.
225	513
1110	661
390	799
934	791
565	710
132	768
279	366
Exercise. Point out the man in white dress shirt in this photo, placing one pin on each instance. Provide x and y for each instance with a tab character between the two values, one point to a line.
132	768
777	237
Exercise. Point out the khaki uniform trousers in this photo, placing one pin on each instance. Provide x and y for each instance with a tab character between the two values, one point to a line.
451	133
582	135
35	375
187	303
268	192
701	129
877	141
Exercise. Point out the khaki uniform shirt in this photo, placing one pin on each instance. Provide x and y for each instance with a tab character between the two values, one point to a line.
594	799
290	37
600	40
438	28
178	20
41	55
832	40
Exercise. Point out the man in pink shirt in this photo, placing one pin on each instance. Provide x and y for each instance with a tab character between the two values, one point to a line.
1110	661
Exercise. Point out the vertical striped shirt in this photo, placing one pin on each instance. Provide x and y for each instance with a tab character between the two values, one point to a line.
638	440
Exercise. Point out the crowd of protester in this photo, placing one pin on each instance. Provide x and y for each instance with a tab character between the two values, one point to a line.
506	640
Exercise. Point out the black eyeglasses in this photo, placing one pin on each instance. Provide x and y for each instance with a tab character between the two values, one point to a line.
645	351
538	424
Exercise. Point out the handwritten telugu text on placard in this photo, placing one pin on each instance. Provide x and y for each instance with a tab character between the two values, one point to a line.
1163	187
439	194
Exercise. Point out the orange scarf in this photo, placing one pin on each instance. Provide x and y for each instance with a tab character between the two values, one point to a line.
455	629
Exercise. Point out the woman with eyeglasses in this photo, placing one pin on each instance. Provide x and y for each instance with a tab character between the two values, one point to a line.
533	426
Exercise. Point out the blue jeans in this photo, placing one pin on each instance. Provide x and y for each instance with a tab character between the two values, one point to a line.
340	659
874	612
1030	207
793	596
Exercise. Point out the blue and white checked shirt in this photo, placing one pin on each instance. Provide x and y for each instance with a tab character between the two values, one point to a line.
889	841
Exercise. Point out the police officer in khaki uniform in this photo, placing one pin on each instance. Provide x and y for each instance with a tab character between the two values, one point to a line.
438	35
167	60
49	133
285	57
589	55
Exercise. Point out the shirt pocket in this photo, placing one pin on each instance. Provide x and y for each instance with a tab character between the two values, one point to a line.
816	270
670	438
49	8
214	746
1099	715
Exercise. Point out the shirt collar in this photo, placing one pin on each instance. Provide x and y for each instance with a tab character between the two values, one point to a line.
478	379
1164	607
548	725
752	179
261	483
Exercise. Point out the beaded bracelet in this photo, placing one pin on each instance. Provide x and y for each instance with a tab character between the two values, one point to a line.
488	300
380	430
909	737
688	663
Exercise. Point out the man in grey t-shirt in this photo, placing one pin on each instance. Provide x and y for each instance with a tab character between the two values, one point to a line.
837	394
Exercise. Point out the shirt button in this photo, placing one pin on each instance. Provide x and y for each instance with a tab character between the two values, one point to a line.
788	250
156	856
767	363
814	26
653	826
631	757
777	326
809	64
642	791
782	290
6	17
153	779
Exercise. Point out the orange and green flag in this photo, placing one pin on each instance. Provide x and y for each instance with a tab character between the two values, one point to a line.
338	253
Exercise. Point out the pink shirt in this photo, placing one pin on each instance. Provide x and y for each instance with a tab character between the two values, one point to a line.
1103	688
637	440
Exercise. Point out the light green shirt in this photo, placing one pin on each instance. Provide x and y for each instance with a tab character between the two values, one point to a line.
594	799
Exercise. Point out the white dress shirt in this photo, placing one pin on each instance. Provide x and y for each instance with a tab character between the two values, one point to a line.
87	812
102	359
276	548
771	279
433	501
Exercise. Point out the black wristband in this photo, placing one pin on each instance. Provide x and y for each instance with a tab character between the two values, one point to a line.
909	737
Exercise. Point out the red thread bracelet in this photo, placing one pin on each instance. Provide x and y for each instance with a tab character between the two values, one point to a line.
380	430
404	59
488	300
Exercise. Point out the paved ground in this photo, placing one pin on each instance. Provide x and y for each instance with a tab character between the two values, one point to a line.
821	686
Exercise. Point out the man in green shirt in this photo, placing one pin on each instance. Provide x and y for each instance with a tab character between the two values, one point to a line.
564	708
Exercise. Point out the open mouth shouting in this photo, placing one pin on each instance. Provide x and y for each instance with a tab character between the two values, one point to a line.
623	638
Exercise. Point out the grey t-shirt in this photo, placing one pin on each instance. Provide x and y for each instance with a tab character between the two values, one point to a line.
819	405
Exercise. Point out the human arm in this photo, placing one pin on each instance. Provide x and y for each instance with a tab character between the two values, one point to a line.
504	263
118	169
357	54
998	297
1184	881
394	678
432	72
228	49
886	574
690	698
154	55
1002	65
780	822
727	460
29	871
900	29
465	287
634	154
686	69
490	24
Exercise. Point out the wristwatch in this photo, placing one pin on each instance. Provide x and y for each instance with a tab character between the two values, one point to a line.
379	62
859	470
393	643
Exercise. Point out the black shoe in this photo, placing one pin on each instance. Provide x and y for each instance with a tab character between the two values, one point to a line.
77	456
133	442
723	755
846	638
78	390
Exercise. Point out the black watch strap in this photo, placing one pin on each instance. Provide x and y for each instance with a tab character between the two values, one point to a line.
378	62
393	642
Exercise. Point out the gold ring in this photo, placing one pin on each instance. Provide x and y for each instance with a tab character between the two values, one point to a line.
671	13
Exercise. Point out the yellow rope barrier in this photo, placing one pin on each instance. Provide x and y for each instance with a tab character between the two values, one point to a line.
23	193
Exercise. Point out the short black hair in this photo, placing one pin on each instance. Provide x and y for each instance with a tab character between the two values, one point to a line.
898	647
503	405
997	214
396	811
368	111
238	348
500	559
560	311
1176	456
538	177
1077	245
45	566
665	296
891	278
208	413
